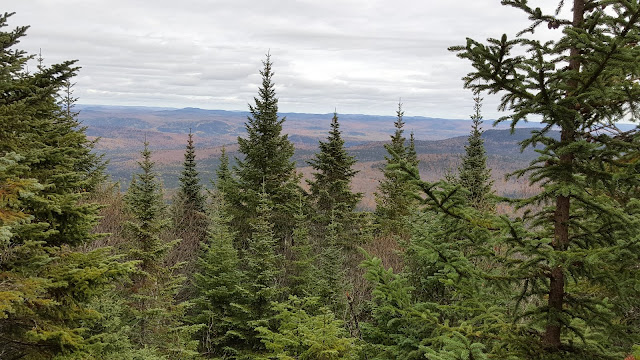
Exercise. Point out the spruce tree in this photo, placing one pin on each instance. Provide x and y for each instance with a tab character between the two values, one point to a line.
190	193
155	317
302	272
394	199
306	331
262	268
440	298
396	148
92	163
331	283
47	283
473	173
188	210
145	202
266	163
224	177
226	189
218	284
574	257
412	156
566	271
330	189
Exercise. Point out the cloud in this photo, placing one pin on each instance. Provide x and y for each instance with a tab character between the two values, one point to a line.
357	55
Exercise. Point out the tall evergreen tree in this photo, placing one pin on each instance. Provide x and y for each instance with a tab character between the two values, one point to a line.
218	282
47	284
473	173
92	164
397	148
226	189
574	258
302	271
330	188
331	283
156	319
224	177
394	199
262	267
145	202
266	164
190	193
188	210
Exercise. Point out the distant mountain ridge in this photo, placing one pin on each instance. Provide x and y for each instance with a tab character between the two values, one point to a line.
125	127
440	142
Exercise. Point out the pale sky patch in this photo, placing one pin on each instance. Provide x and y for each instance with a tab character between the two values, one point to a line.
358	56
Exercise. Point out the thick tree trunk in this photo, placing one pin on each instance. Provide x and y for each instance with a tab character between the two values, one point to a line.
556	287
553	331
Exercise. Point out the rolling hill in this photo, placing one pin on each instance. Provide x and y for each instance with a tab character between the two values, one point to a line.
439	146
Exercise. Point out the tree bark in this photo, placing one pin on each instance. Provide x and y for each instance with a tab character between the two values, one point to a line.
553	331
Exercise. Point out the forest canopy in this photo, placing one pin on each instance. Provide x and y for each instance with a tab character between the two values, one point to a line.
264	266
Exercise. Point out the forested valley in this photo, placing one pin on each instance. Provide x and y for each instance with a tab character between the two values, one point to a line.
257	264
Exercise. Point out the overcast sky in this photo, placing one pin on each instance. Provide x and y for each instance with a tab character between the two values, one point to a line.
358	56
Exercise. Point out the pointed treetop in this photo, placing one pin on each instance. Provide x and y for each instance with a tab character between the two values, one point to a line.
477	116
146	162
397	148
412	156
474	174
223	173
265	109
333	171
393	198
190	192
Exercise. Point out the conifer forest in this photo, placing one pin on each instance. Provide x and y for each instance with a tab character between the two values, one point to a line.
260	263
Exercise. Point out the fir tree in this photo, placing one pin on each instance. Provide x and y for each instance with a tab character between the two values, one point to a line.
262	268
457	347
571	302
403	318
394	199
442	259
144	200
473	173
306	331
266	164
188	210
330	188
226	188
303	273
224	178
155	317
331	284
47	285
45	281
412	156
395	329
190	193
218	284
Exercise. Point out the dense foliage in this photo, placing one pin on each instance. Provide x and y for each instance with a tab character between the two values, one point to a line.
270	271
266	166
330	189
46	281
394	199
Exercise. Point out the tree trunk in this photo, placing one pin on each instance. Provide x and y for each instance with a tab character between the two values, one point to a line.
551	337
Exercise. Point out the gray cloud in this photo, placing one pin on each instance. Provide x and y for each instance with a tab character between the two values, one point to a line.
357	55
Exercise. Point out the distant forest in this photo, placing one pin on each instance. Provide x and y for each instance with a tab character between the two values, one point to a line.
268	262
